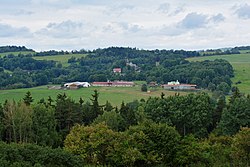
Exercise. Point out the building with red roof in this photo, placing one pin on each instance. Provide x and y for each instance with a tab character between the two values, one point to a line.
114	84
117	70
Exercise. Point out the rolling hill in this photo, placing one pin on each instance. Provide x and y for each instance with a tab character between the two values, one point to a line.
241	65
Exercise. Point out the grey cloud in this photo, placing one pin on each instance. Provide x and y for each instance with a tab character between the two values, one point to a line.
123	27
217	18
118	10
69	29
194	20
130	27
243	11
9	31
178	10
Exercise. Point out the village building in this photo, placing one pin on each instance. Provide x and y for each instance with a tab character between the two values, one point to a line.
128	63
117	70
114	84
176	85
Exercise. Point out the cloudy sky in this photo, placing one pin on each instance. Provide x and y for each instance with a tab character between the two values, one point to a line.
148	24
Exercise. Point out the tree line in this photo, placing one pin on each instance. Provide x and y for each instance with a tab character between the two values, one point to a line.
190	130
4	49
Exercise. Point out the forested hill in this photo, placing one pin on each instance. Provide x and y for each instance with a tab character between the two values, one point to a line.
155	65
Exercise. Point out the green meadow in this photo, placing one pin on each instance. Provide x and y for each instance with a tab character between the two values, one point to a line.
241	65
16	53
63	59
60	58
115	95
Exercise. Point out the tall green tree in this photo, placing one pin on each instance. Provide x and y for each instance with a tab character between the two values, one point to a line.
18	122
241	147
67	113
236	115
44	126
220	105
128	114
28	98
160	143
92	111
112	119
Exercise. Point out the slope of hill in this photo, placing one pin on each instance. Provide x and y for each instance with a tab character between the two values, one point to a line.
63	59
241	65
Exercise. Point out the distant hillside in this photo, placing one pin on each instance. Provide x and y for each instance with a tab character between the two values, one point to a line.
241	65
159	66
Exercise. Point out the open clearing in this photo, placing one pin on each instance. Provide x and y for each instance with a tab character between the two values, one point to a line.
241	65
60	58
115	95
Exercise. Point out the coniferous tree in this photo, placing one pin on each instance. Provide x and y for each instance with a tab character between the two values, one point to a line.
220	105
108	106
28	98
67	113
95	107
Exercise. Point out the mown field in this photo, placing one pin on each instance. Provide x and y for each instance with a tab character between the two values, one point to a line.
241	65
60	58
115	95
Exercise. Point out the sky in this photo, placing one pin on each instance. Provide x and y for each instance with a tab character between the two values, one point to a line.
145	24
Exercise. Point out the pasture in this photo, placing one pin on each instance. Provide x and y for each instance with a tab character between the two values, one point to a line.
241	65
115	95
63	59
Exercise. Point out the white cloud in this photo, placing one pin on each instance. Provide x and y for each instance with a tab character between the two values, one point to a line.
90	24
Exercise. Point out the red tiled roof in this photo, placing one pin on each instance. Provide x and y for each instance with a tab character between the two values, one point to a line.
117	69
114	83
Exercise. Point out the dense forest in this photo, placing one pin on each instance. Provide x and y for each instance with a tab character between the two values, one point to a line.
159	66
190	130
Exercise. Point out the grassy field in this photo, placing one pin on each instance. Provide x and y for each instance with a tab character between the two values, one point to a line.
60	58
16	53
241	65
115	95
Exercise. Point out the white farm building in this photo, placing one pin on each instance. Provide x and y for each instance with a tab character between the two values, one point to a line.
78	84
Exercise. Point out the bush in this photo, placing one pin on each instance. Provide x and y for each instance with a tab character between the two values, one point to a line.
144	88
